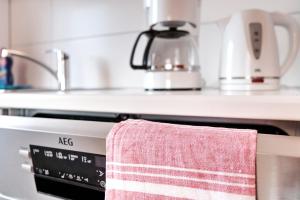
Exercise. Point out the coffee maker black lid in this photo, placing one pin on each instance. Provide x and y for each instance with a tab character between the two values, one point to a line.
172	33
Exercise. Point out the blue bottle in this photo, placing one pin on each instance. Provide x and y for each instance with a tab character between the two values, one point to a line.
6	75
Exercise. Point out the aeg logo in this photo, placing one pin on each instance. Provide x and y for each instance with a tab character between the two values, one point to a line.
65	141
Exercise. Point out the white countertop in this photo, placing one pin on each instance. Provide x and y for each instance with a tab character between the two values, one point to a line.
271	105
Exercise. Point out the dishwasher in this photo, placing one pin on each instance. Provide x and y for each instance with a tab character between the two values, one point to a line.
50	155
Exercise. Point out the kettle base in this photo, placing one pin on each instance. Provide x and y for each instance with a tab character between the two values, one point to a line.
244	84
173	80
175	89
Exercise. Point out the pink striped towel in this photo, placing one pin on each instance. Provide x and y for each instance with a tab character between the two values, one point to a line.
149	160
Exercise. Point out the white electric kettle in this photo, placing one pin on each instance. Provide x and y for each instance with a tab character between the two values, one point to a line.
249	55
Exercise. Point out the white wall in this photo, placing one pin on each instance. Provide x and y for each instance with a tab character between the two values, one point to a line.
4	39
99	34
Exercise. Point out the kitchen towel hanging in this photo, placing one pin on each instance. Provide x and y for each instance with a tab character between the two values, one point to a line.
150	160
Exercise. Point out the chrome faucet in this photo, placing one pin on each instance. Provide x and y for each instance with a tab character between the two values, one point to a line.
61	73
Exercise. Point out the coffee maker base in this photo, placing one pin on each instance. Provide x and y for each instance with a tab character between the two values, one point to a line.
173	80
249	85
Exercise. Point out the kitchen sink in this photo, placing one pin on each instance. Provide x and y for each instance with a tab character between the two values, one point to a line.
31	90
47	90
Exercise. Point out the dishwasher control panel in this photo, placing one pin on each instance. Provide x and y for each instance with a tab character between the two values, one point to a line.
67	170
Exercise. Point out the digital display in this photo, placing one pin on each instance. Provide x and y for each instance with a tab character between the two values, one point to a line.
73	166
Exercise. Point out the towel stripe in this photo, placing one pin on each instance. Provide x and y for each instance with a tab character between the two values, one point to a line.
182	178
181	169
184	183
171	190
184	173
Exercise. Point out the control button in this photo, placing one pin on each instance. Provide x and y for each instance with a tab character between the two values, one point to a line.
78	178
24	153
72	157
48	154
40	171
62	175
46	172
86	180
35	151
59	155
85	159
100	173
70	176
102	184
27	167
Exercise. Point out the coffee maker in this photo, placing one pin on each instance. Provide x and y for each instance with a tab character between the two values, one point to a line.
170	57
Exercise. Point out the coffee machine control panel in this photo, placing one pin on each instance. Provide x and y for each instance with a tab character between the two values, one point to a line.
256	38
72	170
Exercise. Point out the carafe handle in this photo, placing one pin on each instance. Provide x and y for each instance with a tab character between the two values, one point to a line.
151	35
293	29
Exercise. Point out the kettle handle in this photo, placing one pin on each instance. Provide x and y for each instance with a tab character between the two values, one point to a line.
151	35
293	28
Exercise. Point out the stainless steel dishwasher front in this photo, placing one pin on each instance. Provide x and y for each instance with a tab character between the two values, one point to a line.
25	174
278	159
